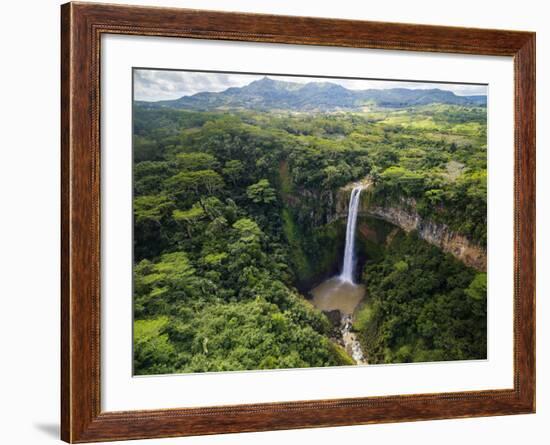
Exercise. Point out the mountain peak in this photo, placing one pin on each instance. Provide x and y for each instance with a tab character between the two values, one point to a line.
263	81
268	83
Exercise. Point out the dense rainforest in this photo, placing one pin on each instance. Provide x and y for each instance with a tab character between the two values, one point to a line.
235	220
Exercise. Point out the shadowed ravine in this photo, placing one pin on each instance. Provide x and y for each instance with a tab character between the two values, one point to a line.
341	293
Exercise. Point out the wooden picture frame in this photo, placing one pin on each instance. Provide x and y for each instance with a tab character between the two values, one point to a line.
82	26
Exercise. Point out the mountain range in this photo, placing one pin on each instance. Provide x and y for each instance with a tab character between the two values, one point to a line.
270	94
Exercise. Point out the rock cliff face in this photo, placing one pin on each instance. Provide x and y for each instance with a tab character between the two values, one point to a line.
307	202
437	234
405	216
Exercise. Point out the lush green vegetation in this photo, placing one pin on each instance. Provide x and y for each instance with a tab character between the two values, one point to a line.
213	289
422	305
435	161
234	218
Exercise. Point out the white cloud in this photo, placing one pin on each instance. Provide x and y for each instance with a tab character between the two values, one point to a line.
153	85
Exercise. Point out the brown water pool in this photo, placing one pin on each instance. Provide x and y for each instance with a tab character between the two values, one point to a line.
335	294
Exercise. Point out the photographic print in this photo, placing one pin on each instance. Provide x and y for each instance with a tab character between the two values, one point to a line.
295	222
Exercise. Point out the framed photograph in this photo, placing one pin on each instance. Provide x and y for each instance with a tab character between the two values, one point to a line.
275	222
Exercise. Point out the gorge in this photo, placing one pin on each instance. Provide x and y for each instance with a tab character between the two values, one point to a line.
341	293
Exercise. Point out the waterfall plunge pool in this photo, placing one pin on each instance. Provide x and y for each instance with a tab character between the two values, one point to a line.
337	294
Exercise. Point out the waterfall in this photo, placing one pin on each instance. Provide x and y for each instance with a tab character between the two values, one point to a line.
348	266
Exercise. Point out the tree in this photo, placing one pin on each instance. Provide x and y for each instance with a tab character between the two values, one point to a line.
149	175
145	149
332	175
233	170
434	196
174	271
248	230
337	175
196	161
213	207
478	287
400	179
151	208
189	217
153	352
162	287
261	192
151	222
195	183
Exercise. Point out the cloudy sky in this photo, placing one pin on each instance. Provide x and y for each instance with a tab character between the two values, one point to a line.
153	85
